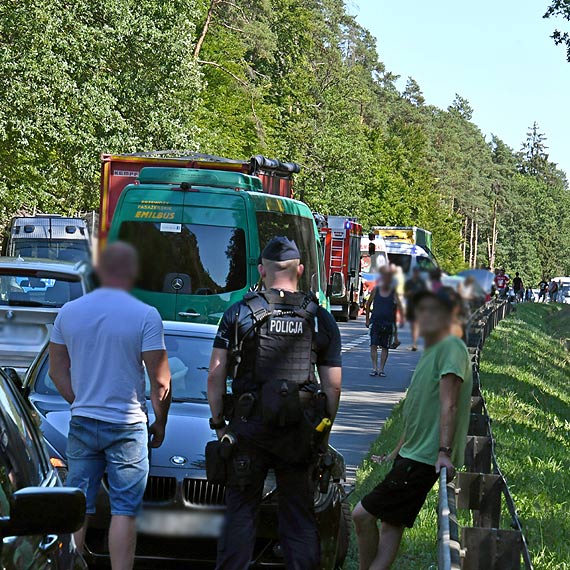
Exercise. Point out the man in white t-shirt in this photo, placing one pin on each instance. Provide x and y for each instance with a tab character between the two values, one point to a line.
98	347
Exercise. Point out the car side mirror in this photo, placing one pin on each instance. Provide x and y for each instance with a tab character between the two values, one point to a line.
40	510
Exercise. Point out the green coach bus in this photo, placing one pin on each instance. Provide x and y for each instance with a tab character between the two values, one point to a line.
199	234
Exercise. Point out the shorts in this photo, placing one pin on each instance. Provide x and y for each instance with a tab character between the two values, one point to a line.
381	335
398	499
94	448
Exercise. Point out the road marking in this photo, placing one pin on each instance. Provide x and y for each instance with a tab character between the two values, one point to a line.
354	343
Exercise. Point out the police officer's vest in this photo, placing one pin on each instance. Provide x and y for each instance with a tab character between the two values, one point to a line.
284	336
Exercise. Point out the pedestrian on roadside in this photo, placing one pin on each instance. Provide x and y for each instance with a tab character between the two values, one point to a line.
435	280
436	417
399	283
381	310
560	295
412	287
502	281
518	287
529	295
553	290
542	290
98	347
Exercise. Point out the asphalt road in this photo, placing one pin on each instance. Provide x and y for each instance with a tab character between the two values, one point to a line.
367	401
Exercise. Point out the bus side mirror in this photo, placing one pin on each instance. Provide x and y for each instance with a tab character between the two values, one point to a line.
371	248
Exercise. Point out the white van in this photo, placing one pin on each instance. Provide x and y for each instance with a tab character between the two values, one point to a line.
408	256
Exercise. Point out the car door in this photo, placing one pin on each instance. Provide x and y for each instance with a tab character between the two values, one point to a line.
24	463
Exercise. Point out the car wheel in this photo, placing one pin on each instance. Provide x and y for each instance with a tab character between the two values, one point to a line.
344	532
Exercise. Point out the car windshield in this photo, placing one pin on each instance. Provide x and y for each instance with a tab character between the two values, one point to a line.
189	360
211	259
64	249
28	288
401	260
188	357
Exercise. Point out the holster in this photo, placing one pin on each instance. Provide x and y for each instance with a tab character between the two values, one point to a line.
216	464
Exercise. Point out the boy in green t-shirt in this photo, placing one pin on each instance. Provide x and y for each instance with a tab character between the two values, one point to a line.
436	419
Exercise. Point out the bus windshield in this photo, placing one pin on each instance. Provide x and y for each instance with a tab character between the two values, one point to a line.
61	249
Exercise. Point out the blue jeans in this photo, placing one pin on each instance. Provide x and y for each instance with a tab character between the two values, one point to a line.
121	450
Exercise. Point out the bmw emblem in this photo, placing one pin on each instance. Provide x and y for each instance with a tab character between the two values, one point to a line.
9	315
177	284
178	460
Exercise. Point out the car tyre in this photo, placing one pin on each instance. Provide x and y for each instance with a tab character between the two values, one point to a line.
344	532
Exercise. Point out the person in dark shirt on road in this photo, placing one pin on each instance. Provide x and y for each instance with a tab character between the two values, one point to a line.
518	287
383	303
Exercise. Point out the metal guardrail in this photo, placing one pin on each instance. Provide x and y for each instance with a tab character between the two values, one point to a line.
480	489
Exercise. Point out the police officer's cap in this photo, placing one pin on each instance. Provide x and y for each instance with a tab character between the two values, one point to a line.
281	249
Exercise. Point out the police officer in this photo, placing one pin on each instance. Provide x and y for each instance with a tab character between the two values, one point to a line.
271	343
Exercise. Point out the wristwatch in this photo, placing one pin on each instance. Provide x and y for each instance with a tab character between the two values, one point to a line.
219	425
446	450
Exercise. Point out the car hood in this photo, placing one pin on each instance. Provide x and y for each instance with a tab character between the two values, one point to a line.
187	433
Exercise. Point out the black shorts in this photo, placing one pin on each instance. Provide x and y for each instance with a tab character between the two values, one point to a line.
399	498
381	335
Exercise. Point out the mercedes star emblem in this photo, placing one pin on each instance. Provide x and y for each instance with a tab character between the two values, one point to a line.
178	460
177	284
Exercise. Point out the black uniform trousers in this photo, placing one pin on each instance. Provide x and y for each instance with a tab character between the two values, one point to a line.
256	452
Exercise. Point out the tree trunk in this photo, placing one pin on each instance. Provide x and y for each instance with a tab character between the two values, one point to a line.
493	238
476	245
464	241
471	242
205	28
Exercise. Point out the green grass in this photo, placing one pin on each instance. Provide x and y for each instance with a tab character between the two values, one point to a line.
526	380
525	374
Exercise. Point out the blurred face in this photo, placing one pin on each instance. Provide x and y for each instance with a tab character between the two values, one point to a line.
431	316
386	278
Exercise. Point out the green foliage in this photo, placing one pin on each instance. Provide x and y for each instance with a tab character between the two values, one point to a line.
299	80
84	78
560	8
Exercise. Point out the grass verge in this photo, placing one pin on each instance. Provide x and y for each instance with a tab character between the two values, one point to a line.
526	381
525	375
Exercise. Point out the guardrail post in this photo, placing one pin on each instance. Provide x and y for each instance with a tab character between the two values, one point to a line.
491	549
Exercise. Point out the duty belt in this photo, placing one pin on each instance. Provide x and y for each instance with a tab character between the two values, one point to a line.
248	405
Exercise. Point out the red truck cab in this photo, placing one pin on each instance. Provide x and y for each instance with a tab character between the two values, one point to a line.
340	239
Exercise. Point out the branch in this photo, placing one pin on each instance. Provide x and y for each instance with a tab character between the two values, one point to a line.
227	26
205	28
219	66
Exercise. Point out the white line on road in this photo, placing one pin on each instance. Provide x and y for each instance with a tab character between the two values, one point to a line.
354	343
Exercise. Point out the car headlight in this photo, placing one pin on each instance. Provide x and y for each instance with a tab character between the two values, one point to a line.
270	485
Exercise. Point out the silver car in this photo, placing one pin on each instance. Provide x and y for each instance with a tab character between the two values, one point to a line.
31	293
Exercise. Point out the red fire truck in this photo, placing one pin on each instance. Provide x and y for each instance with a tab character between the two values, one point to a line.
117	171
340	239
